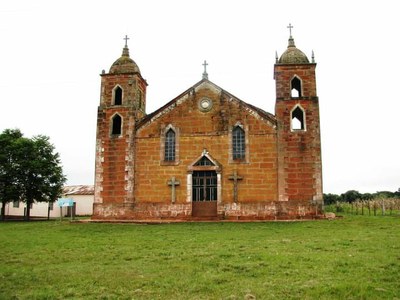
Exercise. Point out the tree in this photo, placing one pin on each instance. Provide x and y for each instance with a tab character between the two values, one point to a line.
367	196
8	187
351	196
331	198
36	173
384	194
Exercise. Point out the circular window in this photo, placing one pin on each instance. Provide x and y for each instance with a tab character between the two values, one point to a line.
205	104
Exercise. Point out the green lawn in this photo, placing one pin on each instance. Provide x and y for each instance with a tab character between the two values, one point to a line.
357	257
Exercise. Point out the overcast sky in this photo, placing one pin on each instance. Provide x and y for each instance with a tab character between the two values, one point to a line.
52	53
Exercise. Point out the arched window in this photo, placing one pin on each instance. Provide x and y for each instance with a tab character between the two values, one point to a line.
169	149
238	143
118	96
295	87
298	119
116	125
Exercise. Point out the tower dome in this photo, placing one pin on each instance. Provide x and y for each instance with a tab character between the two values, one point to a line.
292	55
124	64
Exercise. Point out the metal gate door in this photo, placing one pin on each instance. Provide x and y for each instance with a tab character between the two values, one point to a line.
204	194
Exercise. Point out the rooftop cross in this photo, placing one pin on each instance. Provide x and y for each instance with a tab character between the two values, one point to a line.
290	28
205	75
126	41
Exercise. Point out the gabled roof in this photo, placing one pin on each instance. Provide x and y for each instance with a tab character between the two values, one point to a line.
78	190
258	112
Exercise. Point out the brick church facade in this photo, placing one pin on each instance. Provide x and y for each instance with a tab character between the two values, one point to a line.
207	154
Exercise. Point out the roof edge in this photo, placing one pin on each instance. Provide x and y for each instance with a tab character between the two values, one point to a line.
153	116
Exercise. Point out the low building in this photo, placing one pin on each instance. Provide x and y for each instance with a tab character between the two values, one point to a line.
82	195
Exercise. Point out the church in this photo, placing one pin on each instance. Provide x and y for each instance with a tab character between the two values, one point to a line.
206	154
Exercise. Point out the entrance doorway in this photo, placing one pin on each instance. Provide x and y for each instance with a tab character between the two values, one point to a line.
204	193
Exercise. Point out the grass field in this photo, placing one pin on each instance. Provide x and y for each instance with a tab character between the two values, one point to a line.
357	257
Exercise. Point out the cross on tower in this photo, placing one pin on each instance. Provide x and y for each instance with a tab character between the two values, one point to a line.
126	41
290	28
235	179
205	75
173	183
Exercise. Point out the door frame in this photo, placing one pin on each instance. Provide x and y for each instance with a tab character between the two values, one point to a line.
215	167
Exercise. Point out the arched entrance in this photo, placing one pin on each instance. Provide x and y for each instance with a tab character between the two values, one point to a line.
204	186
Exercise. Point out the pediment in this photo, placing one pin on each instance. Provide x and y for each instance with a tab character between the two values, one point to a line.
205	162
190	93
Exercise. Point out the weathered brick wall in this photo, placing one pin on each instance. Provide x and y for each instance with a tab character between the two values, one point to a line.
142	211
273	210
300	170
281	174
115	153
283	74
207	130
265	210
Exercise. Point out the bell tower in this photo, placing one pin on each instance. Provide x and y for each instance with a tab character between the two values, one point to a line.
122	104
299	143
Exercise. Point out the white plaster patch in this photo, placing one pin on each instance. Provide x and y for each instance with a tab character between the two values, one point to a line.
208	85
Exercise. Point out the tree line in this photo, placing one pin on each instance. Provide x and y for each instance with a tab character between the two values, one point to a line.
353	196
30	170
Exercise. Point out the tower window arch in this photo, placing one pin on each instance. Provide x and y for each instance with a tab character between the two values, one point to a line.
298	118
117	95
238	143
295	87
169	148
116	125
